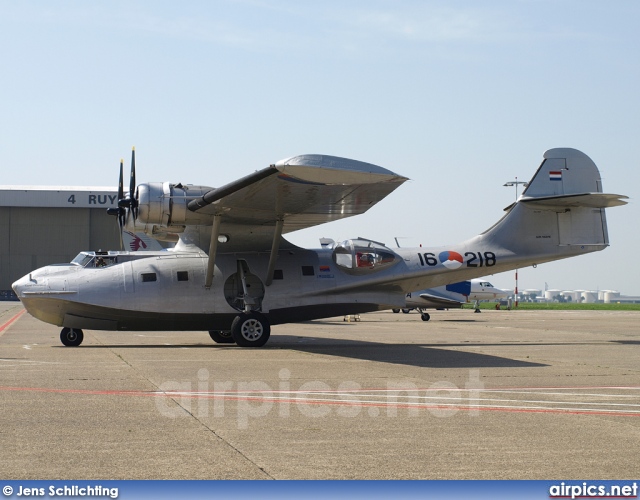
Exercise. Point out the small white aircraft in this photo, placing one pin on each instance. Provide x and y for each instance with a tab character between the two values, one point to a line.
231	272
451	296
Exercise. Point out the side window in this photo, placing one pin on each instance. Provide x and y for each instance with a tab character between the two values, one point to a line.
278	275
148	277
308	271
183	275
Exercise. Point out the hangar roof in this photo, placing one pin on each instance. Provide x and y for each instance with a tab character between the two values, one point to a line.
58	196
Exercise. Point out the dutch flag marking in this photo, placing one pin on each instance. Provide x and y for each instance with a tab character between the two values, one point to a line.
555	175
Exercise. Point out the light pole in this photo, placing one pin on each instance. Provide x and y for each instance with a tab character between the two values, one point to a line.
516	183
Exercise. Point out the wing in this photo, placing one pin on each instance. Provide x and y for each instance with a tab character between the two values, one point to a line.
296	193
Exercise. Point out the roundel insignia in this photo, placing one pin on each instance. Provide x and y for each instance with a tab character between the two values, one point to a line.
450	259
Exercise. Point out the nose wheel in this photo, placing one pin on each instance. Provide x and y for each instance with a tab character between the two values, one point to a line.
71	337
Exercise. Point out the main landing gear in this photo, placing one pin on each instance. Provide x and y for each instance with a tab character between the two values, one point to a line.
221	336
244	291
71	337
424	316
249	329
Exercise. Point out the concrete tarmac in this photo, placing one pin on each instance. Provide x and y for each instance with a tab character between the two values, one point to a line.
496	395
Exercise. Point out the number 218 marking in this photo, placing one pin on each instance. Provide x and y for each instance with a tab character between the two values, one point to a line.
489	259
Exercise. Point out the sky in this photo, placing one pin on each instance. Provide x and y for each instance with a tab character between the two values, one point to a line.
459	96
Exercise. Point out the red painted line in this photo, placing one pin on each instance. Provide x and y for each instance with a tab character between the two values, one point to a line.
85	392
12	321
230	397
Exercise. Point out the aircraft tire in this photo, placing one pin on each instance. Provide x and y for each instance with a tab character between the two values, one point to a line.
250	329
71	337
395	311
406	311
425	316
221	336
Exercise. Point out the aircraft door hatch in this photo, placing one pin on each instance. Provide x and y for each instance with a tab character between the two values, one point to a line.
243	290
128	283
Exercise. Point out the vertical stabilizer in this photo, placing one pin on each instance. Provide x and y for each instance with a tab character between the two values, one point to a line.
564	171
560	214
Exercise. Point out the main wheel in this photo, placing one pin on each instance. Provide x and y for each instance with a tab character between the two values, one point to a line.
250	329
71	337
221	336
395	311
425	317
406	311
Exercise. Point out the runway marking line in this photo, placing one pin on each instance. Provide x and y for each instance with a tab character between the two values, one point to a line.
247	396
11	321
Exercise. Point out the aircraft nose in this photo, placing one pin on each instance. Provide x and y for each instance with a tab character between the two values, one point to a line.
19	285
29	282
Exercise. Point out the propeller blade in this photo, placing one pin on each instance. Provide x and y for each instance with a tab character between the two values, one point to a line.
121	183
120	211
132	179
126	202
132	186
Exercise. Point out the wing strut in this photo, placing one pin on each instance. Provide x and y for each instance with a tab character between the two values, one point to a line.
274	250
213	248
219	193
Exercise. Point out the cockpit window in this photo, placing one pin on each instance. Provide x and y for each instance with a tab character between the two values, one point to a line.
106	260
82	259
89	260
363	256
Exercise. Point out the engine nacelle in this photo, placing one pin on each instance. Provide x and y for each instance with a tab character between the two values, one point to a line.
165	204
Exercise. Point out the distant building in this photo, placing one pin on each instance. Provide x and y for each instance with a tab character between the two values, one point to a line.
48	225
577	296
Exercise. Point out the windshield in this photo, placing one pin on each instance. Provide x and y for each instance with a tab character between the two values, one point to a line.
86	259
82	259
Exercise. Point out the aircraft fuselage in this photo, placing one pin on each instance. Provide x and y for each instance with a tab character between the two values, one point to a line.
165	290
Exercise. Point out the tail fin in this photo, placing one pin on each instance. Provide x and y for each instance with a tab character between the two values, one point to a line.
568	183
560	213
564	171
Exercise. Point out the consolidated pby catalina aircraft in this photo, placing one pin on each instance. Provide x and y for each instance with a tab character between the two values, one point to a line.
232	273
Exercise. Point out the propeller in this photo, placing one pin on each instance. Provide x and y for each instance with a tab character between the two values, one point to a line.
124	202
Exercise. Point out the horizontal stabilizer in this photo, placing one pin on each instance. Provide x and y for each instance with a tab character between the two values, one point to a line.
440	301
587	200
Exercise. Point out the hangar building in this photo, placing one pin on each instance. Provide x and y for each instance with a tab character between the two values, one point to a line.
48	225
